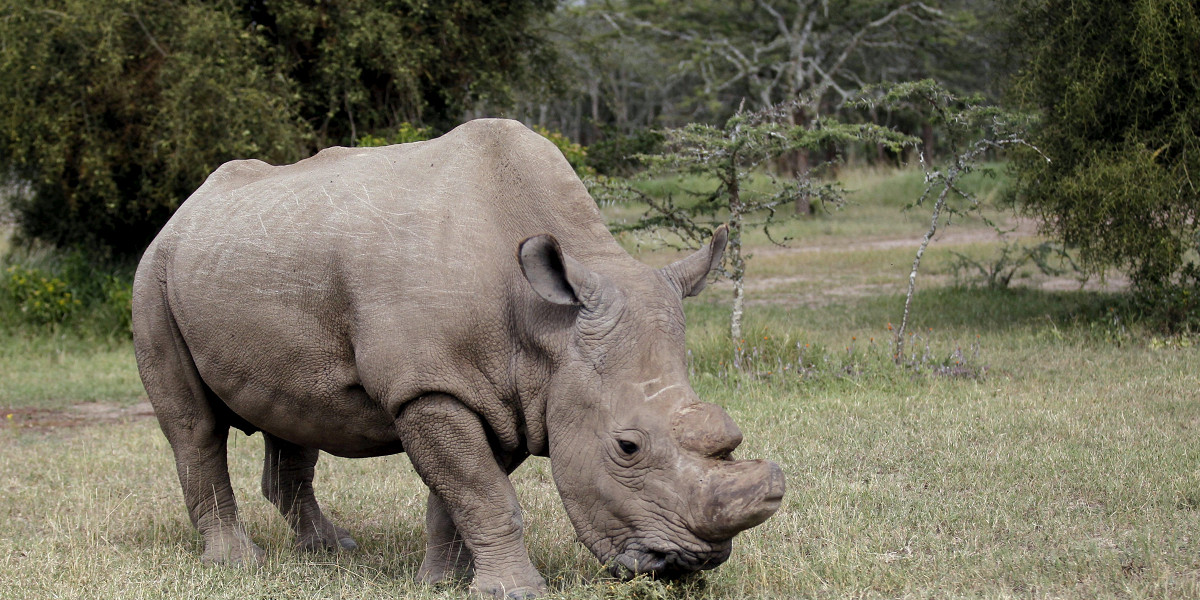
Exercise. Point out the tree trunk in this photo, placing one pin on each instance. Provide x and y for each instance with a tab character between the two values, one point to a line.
736	260
804	205
927	141
799	164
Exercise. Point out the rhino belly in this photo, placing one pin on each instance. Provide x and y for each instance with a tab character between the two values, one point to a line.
285	373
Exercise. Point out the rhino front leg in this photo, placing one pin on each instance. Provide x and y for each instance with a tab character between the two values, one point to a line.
446	555
448	445
287	479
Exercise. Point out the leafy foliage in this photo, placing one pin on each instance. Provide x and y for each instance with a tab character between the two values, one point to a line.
1118	83
616	154
404	134
37	297
112	130
368	65
114	111
575	153
56	289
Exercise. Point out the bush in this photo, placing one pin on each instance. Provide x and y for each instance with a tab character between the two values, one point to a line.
574	153
1118	85
114	111
404	134
615	155
67	290
36	297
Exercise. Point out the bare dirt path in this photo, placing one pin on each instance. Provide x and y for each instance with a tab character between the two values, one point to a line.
79	415
774	289
948	236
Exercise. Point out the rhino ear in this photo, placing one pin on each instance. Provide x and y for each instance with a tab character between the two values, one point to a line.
555	276
690	275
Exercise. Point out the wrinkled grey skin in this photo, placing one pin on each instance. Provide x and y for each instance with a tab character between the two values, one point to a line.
459	300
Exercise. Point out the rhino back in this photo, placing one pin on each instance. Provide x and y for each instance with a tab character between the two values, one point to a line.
317	298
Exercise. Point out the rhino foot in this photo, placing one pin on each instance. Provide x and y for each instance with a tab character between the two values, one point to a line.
232	548
514	590
451	561
323	541
433	574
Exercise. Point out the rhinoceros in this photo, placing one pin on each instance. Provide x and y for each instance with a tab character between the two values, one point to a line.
459	300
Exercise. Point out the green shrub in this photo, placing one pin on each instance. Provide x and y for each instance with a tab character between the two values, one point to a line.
114	111
67	290
404	134
1118	86
616	154
37	297
574	153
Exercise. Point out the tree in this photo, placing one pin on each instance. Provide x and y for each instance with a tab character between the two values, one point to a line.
771	51
1118	85
975	131
370	65
729	154
114	111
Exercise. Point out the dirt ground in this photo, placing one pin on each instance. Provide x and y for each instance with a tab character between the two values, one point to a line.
769	288
79	415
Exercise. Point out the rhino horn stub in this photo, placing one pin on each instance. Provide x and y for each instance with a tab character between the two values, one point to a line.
706	429
736	496
690	274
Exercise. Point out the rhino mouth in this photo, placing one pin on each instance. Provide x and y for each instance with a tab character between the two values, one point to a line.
666	563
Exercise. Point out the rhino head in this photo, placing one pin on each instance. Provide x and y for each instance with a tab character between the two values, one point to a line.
644	468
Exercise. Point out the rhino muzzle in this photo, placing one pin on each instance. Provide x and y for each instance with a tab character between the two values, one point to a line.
667	564
735	496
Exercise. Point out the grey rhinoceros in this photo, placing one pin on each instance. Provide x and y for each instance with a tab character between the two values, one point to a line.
459	300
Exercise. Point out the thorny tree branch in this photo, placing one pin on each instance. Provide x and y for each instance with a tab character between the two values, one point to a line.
948	180
813	64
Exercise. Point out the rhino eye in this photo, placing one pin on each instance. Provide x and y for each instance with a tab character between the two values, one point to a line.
628	448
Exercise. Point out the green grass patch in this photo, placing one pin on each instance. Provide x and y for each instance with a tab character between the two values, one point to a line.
44	370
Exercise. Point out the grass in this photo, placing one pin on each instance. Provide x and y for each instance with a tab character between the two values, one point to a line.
1063	461
56	370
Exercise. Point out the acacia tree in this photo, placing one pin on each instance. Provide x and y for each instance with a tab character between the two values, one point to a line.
730	154
1117	83
974	131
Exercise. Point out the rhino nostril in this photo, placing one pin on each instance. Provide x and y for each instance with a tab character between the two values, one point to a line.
634	562
656	558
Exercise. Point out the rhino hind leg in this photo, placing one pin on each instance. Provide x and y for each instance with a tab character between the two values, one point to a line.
287	479
196	432
446	555
448	445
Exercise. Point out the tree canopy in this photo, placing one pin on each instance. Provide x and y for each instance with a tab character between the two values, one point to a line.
113	111
1117	85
